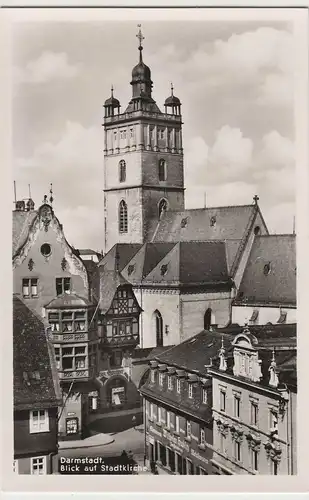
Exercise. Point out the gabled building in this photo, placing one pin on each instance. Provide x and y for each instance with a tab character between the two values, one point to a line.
267	292
36	394
52	279
254	391
224	402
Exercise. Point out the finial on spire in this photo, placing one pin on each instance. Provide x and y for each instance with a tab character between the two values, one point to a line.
172	88
112	90
140	39
51	199
256	199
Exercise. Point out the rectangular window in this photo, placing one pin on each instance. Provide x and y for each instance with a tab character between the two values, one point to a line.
204	396
38	421
63	285
30	288
57	357
255	460
273	421
190	391
38	465
159	415
168	419
151	411
188	429
202	437
161	376
254	413
237	406
222	442
179	464
152	376
222	400
73	358
171	459
237	450
190	468
178	385
275	468
177	424
162	454
170	383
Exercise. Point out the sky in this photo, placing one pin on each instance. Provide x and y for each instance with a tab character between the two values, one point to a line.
235	82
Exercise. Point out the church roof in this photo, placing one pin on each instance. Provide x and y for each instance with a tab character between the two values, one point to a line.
36	384
205	224
22	222
147	257
192	263
125	252
270	274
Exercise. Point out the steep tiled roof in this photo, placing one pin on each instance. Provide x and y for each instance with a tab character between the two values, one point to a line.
68	300
93	279
35	380
279	285
195	224
109	282
125	252
192	263
22	222
149	255
196	352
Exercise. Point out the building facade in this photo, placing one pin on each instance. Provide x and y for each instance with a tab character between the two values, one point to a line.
36	394
254	394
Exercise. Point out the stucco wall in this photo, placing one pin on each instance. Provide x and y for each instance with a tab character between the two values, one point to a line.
265	403
242	314
167	303
47	269
194	306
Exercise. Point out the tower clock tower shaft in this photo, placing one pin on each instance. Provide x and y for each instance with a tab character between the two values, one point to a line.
143	161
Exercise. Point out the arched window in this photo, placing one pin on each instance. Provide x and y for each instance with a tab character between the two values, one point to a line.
207	319
123	217
159	328
162	170
162	206
257	230
122	171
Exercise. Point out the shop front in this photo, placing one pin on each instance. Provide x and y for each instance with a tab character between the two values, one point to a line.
168	453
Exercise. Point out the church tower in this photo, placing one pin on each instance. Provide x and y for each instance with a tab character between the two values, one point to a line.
143	161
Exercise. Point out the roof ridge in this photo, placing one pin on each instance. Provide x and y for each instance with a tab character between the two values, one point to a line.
211	208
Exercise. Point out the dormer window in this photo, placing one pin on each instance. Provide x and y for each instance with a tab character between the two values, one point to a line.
184	222
190	391
213	221
170	383
254	317
131	269
163	269
161	378
267	269
282	317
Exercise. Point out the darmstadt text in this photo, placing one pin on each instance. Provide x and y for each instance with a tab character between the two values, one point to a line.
97	465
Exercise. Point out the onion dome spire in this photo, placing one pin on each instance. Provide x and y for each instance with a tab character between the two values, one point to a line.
111	104
173	102
141	74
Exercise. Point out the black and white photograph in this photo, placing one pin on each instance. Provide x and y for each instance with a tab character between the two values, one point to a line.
154	238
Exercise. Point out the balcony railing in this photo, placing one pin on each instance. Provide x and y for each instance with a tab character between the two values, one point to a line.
142	113
76	374
117	340
70	337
